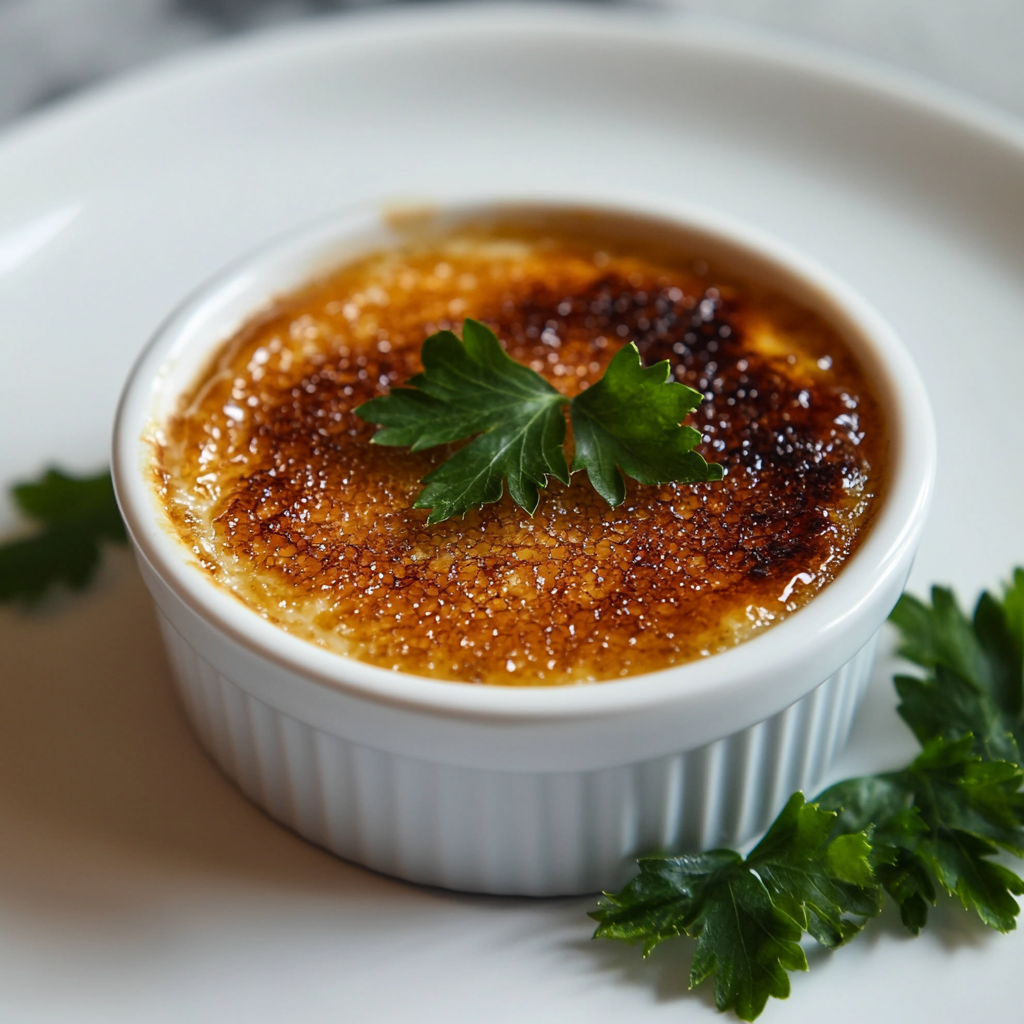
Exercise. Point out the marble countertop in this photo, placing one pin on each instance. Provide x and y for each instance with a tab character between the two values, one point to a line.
50	48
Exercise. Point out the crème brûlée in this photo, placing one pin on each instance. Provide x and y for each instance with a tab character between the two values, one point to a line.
272	481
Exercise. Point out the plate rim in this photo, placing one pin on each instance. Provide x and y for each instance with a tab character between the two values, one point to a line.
868	75
962	113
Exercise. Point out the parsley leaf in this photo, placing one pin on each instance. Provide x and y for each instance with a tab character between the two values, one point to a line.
748	915
814	878
933	826
74	515
473	387
628	421
880	806
746	941
975	677
937	823
970	808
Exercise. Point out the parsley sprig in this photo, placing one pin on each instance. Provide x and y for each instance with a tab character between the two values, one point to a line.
627	423
823	867
73	516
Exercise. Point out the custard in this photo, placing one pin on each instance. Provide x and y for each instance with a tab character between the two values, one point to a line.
272	481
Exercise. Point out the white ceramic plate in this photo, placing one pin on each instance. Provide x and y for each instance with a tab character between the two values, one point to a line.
135	884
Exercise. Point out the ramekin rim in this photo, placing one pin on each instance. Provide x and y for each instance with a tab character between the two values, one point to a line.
888	546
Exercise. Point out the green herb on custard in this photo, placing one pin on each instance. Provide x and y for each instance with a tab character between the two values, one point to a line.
627	423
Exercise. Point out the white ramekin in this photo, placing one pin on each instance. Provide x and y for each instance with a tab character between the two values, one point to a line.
533	790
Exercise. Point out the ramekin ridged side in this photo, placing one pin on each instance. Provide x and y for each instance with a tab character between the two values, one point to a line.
524	790
505	832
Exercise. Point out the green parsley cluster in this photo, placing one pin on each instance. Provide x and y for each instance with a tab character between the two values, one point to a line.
824	867
627	423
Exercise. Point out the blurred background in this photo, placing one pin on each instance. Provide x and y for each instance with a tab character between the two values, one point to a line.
50	48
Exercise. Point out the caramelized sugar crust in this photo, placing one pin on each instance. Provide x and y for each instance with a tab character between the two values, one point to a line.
272	480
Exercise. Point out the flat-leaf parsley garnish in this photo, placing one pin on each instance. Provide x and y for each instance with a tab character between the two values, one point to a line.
627	423
823	867
73	515
748	915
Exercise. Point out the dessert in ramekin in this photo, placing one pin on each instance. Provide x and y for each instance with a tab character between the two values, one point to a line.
533	788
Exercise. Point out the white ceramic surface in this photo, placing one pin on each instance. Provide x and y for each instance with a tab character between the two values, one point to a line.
135	885
534	791
477	829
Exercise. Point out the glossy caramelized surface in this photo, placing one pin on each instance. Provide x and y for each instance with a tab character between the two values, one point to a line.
271	480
